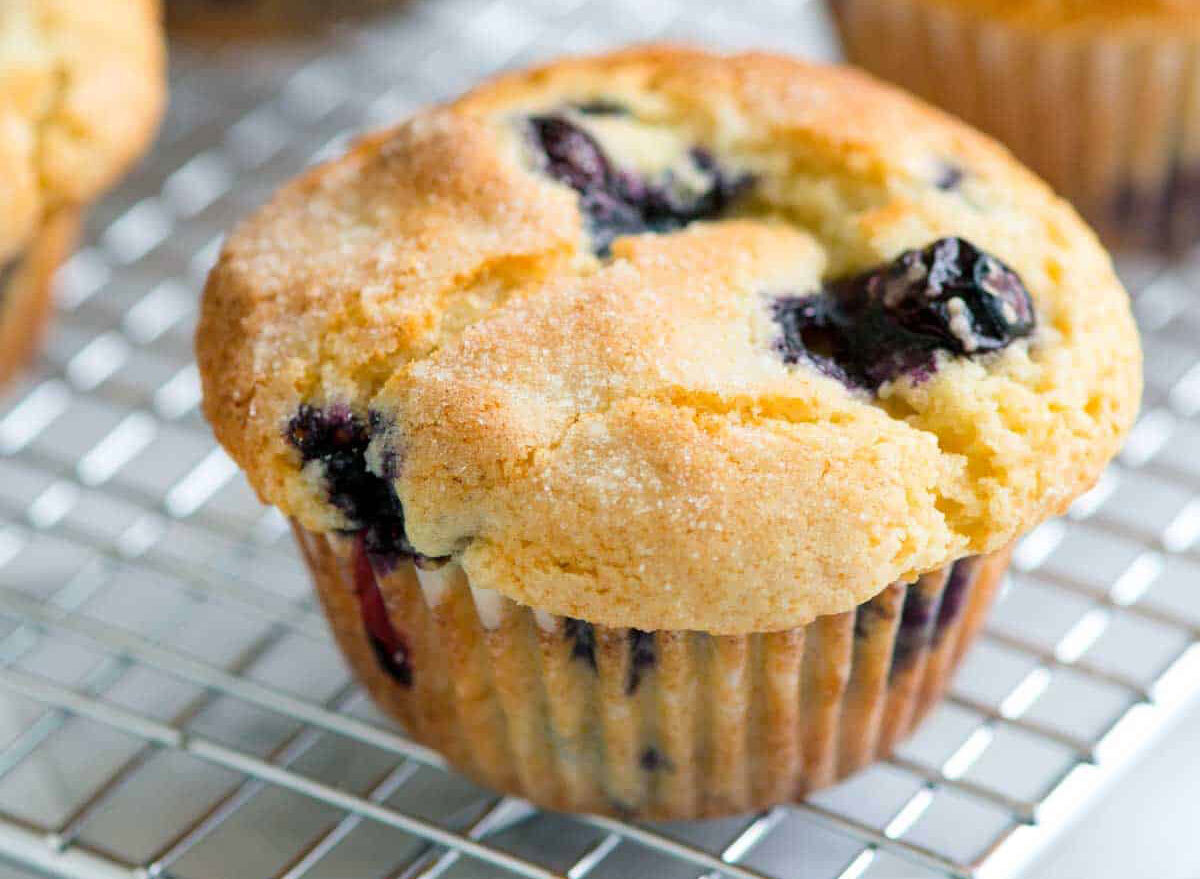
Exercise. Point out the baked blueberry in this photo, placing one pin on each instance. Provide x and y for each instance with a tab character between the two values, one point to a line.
954	596
619	201
582	636
338	439
950	176
642	658
878	608
654	760
916	622
892	320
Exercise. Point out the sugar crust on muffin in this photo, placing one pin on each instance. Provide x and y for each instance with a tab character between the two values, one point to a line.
604	426
81	91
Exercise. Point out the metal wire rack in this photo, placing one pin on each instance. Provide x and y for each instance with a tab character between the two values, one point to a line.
171	706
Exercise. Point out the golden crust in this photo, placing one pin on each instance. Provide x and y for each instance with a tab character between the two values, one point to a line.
82	86
1178	18
617	440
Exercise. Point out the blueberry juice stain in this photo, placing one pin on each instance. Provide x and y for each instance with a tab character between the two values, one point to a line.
390	649
337	439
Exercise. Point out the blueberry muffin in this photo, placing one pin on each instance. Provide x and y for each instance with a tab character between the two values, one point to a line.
82	86
656	425
1101	97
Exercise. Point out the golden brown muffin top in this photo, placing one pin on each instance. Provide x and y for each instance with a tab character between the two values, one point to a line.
632	339
82	86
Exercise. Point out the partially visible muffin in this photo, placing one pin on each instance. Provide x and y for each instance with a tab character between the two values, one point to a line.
82	86
656	425
25	282
1101	97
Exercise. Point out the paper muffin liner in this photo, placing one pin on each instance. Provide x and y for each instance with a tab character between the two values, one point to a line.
26	289
1110	120
262	19
649	725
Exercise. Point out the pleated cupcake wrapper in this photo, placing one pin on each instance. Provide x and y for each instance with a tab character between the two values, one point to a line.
26	289
664	725
1112	122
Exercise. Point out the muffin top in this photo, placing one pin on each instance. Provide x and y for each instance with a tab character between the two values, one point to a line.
1087	15
671	340
81	90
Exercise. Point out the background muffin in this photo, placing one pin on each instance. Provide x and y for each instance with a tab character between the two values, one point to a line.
257	19
82	86
1098	96
618	404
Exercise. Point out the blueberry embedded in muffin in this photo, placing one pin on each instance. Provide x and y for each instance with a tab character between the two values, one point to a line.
653	760
642	658
916	625
950	176
955	593
582	636
336	441
926	615
642	653
620	201
889	321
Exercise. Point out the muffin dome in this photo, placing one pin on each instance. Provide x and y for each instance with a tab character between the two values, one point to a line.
81	90
671	340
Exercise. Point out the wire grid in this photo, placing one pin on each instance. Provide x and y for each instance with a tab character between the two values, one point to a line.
170	703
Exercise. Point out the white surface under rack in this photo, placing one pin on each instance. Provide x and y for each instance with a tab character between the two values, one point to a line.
171	705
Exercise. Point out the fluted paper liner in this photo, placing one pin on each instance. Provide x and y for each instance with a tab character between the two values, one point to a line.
1111	120
663	725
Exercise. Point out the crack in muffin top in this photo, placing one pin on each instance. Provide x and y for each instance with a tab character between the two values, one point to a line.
600	332
82	86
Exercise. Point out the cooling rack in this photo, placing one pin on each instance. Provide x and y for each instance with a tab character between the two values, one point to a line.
171	705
